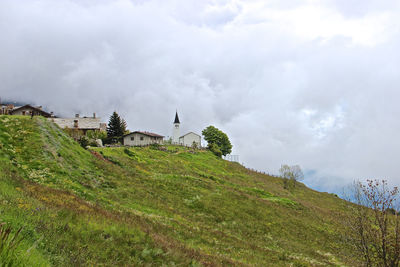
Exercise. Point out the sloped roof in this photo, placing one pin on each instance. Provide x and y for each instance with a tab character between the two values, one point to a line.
145	133
190	133
83	123
176	118
43	113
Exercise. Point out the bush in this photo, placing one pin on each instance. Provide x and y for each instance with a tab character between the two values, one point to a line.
93	143
290	175
155	146
96	135
83	141
129	153
215	149
112	140
74	133
194	145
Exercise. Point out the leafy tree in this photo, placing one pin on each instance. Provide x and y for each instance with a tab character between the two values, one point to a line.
116	127
96	135
290	175
217	141
374	224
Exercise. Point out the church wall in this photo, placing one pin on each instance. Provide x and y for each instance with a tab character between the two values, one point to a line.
175	133
187	140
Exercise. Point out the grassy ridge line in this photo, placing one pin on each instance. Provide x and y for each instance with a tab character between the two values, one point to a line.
180	208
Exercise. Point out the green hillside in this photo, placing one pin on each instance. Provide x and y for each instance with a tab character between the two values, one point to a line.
138	206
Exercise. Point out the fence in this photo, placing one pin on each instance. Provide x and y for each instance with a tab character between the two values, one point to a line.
250	170
233	158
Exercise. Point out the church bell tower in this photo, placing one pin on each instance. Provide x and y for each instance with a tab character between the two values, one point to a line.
175	131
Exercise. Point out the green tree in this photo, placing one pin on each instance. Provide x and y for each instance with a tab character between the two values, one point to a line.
116	127
124	126
218	141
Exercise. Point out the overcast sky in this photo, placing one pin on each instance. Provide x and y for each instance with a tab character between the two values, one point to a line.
314	83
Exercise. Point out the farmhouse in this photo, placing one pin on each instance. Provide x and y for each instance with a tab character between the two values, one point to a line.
5	109
190	139
138	138
29	110
81	123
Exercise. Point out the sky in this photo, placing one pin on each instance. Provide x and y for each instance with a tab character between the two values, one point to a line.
307	82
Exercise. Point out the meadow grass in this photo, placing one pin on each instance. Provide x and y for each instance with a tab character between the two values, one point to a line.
138	206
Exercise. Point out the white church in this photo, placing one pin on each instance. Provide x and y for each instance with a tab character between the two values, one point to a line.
140	138
190	139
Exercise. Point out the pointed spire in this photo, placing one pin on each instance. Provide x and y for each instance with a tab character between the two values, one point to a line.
176	118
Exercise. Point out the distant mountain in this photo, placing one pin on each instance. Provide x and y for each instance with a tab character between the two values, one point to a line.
15	103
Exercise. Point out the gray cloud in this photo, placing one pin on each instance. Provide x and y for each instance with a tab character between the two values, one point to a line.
320	93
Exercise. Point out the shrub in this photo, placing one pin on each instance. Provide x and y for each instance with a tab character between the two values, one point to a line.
155	146
194	145
83	141
96	135
93	143
74	133
215	149
129	153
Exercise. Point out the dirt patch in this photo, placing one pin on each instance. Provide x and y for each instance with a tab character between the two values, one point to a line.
99	156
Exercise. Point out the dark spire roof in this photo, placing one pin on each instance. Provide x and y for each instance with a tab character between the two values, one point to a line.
176	118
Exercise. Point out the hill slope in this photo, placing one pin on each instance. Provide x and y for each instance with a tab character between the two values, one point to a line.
120	206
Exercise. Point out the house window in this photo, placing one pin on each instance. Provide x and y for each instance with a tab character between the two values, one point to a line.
132	138
141	138
23	112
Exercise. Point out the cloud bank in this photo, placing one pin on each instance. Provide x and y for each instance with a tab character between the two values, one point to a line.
313	83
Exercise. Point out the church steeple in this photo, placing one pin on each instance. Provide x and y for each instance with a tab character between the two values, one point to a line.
175	131
176	118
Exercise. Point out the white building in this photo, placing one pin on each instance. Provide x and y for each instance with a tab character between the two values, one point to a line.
176	131
189	139
138	138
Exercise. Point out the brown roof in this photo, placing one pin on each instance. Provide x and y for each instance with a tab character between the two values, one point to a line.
43	113
146	133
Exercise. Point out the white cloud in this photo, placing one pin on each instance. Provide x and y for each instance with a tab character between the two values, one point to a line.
311	82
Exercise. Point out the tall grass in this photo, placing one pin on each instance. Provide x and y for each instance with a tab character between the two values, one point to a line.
9	242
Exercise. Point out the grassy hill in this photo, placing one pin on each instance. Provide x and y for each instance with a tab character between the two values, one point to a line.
138	206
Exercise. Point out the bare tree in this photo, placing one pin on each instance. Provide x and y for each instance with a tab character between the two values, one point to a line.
290	175
374	224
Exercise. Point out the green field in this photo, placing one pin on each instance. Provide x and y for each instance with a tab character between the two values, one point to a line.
145	206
